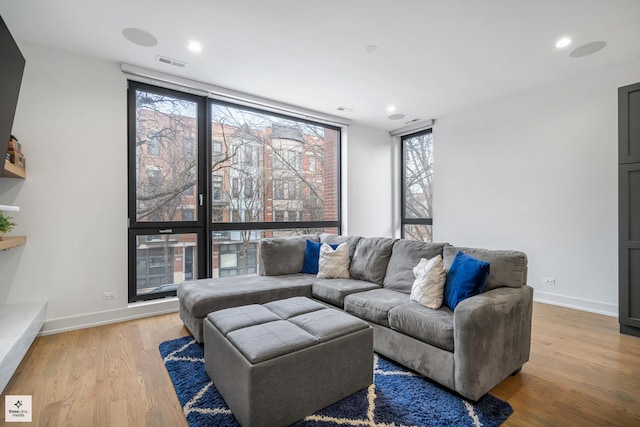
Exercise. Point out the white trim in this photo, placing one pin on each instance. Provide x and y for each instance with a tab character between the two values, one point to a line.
412	128
396	180
131	312
7	208
169	81
576	303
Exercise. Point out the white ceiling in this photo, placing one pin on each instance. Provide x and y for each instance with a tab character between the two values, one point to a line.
434	57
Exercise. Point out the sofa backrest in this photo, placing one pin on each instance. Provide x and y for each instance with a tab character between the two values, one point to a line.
507	267
283	255
406	254
336	239
371	258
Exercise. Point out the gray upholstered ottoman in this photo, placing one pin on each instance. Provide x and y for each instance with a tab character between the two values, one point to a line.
278	362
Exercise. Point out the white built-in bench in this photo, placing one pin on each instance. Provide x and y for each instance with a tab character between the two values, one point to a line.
19	325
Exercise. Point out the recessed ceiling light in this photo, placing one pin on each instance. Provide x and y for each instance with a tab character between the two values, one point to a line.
371	48
587	49
195	46
563	42
396	117
139	37
391	108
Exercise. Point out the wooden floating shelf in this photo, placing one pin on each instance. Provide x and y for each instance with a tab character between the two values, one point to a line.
9	242
12	171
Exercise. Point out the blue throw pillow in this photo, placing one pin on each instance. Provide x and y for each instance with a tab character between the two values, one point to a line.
466	278
311	257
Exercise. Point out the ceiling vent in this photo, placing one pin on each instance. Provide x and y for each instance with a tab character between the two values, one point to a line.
169	61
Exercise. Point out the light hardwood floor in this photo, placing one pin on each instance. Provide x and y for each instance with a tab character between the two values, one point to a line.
582	372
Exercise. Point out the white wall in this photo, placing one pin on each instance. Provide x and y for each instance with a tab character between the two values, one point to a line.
538	172
368	193
71	119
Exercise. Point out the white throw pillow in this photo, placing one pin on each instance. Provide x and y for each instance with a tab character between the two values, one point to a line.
333	264
428	288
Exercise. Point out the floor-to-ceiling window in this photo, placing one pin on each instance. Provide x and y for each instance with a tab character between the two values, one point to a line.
272	176
417	188
208	179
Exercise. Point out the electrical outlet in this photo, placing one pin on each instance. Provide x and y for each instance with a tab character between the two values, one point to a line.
109	295
549	281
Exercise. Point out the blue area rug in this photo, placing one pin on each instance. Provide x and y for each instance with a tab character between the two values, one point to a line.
398	397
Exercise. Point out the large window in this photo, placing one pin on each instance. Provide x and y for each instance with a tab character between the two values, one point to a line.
417	188
267	184
165	216
209	179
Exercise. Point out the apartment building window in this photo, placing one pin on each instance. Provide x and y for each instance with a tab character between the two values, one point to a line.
248	188
235	186
217	215
417	188
153	149
188	214
278	189
208	190
312	163
216	188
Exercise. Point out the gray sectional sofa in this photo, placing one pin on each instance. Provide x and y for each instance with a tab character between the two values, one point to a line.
470	349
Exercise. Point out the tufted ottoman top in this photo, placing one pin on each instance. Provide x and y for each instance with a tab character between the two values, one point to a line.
263	332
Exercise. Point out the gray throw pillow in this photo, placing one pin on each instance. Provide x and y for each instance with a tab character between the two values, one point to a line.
283	255
405	256
507	268
371	258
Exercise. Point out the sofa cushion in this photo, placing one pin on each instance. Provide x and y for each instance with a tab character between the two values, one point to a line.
201	297
312	256
231	319
434	327
328	324
466	278
428	288
283	255
291	307
508	268
406	254
371	258
333	291
275	339
351	241
374	305
333	263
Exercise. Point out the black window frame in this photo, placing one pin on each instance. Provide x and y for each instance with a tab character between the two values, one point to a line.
204	226
404	220
266	225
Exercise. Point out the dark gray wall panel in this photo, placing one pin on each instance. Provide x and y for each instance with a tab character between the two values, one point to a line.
634	124
629	208
634	286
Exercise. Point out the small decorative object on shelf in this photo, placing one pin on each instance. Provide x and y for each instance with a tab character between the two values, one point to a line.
14	153
6	225
14	145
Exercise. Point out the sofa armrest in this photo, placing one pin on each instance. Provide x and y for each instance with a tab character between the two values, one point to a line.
492	338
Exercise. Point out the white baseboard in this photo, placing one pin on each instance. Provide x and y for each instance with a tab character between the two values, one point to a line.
576	303
132	311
